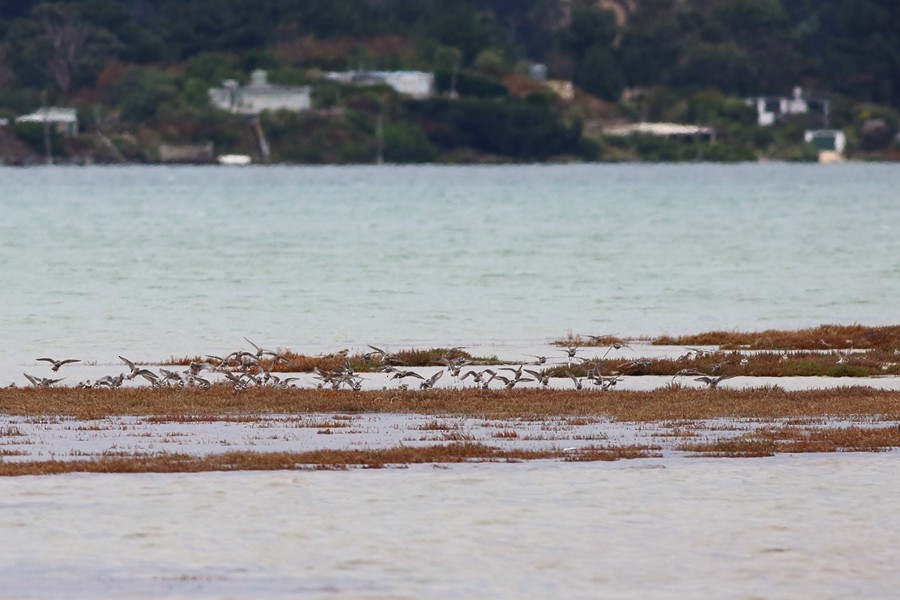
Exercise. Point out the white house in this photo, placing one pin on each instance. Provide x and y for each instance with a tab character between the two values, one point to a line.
416	84
64	120
771	108
260	95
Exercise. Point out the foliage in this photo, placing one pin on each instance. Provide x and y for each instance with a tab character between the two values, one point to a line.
33	135
514	129
406	143
468	83
152	62
141	91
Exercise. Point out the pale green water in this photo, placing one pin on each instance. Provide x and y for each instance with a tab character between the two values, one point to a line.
154	261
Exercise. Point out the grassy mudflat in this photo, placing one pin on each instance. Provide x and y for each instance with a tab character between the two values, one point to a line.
673	402
37	433
826	350
679	418
318	459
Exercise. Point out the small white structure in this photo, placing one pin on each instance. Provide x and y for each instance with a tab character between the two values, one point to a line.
670	130
417	84
64	120
538	72
771	108
260	95
239	160
830	142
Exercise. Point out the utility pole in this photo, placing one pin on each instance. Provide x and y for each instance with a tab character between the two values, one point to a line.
379	138
46	114
453	93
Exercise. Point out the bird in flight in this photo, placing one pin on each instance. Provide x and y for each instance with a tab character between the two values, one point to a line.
58	363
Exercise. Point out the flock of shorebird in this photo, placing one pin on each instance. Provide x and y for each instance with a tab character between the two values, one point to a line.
244	369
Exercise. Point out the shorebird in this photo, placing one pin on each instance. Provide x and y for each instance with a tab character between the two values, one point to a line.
110	381
477	376
686	372
510	383
195	381
640	363
538	360
135	370
615	346
147	374
260	352
576	381
713	382
699	352
605	383
570	354
173	376
544	380
517	372
41	381
454	365
427	384
58	363
386	357
404	374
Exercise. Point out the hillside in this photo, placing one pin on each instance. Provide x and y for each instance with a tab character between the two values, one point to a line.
514	80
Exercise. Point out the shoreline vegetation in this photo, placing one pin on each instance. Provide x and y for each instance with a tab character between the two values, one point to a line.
793	421
511	82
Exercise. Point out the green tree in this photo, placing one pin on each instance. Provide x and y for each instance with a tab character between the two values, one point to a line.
600	73
589	40
141	91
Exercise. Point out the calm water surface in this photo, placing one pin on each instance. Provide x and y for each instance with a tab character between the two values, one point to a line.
813	526
154	261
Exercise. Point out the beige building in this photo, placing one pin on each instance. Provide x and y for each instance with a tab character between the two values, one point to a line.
260	95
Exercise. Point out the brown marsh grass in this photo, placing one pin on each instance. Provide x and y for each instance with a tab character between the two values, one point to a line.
672	403
821	337
814	338
301	363
871	363
771	440
607	453
268	461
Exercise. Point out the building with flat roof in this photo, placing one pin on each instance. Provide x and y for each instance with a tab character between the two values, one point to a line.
260	95
417	84
669	130
63	120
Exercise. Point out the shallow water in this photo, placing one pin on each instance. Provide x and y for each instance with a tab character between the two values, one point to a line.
154	261
698	528
149	262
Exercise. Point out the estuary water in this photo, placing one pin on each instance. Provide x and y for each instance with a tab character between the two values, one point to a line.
151	262
807	526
